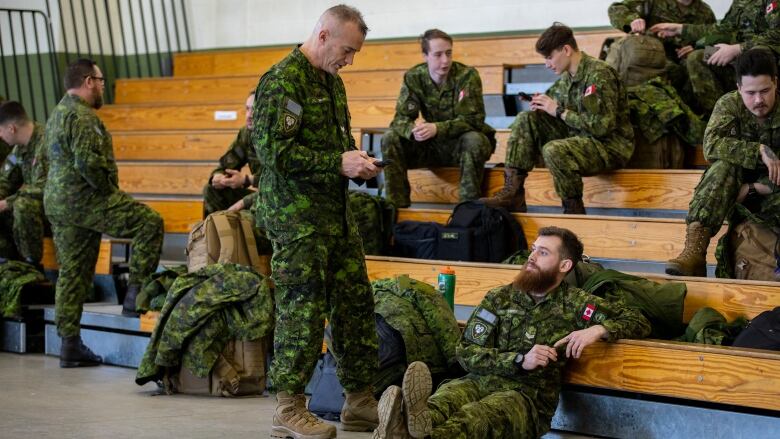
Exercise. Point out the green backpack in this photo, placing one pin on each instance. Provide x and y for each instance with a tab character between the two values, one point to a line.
637	58
374	217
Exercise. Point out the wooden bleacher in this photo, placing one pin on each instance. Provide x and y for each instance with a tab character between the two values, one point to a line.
103	265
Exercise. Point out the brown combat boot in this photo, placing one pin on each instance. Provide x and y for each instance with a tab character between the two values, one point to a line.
392	424
416	388
512	195
359	412
293	420
573	206
693	259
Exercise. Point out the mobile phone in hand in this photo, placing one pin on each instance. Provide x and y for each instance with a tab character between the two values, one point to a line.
383	163
524	96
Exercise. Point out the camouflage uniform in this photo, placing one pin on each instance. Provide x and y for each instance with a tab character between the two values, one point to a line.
731	145
240	153
462	137
497	399
21	184
82	200
748	22
301	129
595	137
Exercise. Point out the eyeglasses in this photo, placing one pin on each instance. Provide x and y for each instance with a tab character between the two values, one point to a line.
97	78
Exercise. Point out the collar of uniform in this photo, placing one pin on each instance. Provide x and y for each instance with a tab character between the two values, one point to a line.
313	73
774	116
524	299
36	134
582	69
75	99
448	83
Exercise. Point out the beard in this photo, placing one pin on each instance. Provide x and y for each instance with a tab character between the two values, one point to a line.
536	281
98	102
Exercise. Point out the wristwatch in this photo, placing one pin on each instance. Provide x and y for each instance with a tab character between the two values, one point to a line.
559	111
519	361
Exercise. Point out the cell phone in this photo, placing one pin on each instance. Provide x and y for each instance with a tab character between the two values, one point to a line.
383	163
524	96
708	52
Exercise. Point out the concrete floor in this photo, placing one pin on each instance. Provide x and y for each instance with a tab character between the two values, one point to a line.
40	400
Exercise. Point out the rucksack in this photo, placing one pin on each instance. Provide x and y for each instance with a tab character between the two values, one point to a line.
637	58
665	153
416	239
479	233
756	249
763	332
225	237
374	217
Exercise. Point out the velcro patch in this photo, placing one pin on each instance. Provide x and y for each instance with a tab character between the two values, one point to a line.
290	118
293	107
591	90
588	313
12	159
771	8
478	329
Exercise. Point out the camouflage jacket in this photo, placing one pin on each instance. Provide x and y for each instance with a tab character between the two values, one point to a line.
657	109
596	104
82	169
508	322
734	134
301	129
419	312
621	14
749	22
24	170
456	106
240	153
202	312
5	149
14	276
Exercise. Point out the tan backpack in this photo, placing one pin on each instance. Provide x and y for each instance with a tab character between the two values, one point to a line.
665	153
755	248
637	58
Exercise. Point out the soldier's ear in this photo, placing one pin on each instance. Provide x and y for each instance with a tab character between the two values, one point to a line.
565	265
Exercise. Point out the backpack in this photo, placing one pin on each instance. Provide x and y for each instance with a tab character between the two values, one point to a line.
756	249
416	239
239	371
665	153
478	233
763	332
225	237
637	58
374	217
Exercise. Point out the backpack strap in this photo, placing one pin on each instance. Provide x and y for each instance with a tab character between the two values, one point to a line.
228	376
251	243
225	232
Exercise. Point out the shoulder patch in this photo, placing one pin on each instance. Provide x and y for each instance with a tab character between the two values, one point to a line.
480	326
590	90
290	117
11	158
587	314
411	106
771	7
293	107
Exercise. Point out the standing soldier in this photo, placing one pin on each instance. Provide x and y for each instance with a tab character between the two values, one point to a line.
302	137
742	143
452	131
228	187
515	347
82	200
22	178
580	127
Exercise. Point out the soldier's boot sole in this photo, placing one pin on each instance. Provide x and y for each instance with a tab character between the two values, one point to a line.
416	388
286	433
390	415
358	425
674	268
67	364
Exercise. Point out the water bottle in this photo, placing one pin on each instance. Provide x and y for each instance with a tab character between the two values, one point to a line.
447	285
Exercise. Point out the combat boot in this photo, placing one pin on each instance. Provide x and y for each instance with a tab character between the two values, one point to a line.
73	353
392	424
416	388
128	305
359	412
512	195
573	206
293	420
693	259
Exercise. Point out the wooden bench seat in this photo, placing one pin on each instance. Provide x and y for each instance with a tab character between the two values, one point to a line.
744	377
383	55
103	265
203	90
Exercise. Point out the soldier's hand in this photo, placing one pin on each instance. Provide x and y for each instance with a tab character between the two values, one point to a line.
683	52
638	26
358	164
544	103
233	179
3	205
579	340
772	163
725	54
238	205
539	356
424	131
666	30
218	181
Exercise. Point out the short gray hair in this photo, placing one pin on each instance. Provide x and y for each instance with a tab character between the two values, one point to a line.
346	13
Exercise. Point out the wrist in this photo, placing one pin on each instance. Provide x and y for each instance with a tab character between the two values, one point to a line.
518	361
559	110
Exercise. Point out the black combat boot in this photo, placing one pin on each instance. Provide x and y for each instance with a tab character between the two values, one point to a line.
74	353
573	206
128	305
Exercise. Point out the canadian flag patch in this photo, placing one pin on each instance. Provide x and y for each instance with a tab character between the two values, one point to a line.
591	90
771	7
461	95
588	313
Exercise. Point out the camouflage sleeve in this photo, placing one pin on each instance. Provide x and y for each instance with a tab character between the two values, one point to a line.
723	32
249	200
11	177
601	100
769	38
619	320
277	135
88	158
469	110
236	155
722	138
407	108
707	16
621	14
441	321
476	351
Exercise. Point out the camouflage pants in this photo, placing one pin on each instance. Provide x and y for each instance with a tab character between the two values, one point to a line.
317	278
716	194
470	151
568	157
708	82
215	200
21	230
470	408
77	241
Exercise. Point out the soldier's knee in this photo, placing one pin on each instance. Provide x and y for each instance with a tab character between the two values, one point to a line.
475	143
695	61
553	152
